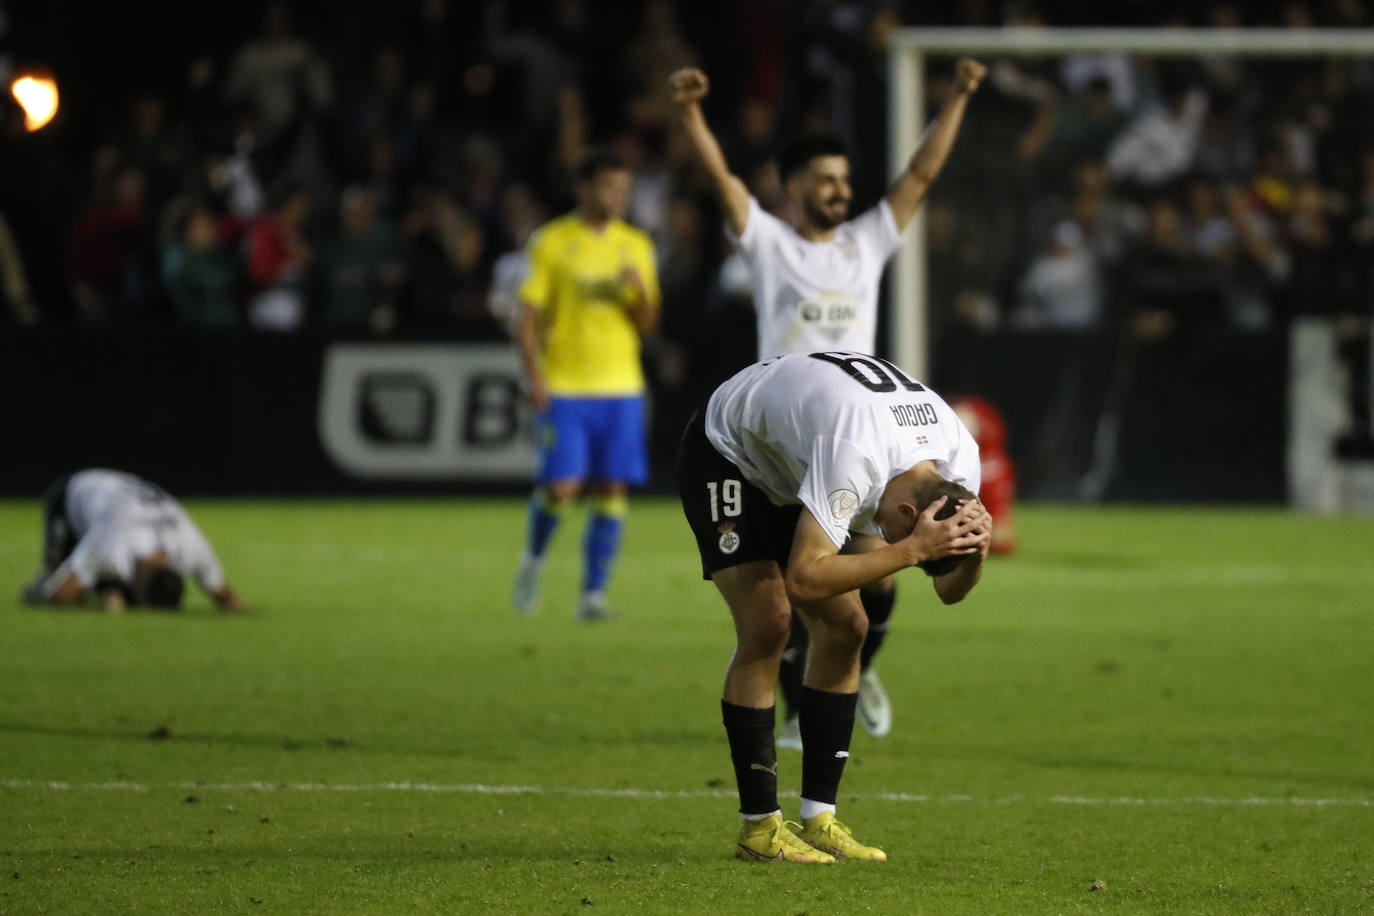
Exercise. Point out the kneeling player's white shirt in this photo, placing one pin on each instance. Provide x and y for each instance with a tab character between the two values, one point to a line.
817	295
830	429
120	519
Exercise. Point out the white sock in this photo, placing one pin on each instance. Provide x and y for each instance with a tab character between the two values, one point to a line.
811	808
755	818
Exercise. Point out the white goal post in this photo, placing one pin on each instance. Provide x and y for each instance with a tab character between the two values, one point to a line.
909	312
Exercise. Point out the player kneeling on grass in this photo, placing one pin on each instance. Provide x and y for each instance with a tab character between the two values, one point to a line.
127	541
790	456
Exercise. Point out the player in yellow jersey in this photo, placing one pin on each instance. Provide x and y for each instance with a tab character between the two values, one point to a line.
591	292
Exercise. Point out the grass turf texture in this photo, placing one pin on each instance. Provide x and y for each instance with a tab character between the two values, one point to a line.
1154	699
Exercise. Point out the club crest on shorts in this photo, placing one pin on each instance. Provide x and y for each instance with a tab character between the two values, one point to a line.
843	504
729	540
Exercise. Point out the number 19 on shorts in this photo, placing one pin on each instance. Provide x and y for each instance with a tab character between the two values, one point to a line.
727	492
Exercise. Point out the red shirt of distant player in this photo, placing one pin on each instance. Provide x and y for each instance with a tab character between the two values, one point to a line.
998	491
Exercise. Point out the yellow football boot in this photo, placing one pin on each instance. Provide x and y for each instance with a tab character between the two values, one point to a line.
829	835
772	840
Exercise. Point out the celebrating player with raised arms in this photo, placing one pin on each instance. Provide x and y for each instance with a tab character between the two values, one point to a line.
816	287
790	456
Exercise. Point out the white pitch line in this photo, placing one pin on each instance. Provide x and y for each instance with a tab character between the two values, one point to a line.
483	789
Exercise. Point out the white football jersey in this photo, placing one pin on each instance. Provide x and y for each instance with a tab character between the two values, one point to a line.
830	429
119	519
817	295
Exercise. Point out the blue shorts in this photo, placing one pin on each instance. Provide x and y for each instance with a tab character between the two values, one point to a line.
598	439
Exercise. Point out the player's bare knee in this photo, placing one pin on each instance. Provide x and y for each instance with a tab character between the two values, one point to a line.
852	631
841	634
766	628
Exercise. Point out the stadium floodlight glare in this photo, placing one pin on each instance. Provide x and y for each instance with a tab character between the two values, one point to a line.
908	322
37	95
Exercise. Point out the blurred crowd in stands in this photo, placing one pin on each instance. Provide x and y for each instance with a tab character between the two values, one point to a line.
374	169
1164	192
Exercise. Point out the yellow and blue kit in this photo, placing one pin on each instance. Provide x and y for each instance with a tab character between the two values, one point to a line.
590	348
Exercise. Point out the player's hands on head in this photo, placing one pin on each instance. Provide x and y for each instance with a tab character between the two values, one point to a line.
968	74
984	532
968	531
689	85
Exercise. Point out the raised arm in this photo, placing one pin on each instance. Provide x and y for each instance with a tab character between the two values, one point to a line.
689	87
910	188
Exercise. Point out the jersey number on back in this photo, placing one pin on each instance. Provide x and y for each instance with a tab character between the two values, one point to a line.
874	373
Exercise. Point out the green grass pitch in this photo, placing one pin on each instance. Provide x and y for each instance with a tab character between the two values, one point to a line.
1174	702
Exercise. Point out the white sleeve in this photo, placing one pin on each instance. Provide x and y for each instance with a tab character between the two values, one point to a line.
759	227
50	585
1130	153
876	230
97	553
965	465
839	478
1195	107
200	561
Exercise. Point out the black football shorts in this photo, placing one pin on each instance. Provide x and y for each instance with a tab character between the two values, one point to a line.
59	540
733	520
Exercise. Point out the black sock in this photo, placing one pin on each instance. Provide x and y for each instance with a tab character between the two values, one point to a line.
827	723
878	607
793	666
755	756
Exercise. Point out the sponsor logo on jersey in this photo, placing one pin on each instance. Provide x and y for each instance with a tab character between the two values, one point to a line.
828	312
832	315
599	289
843	504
